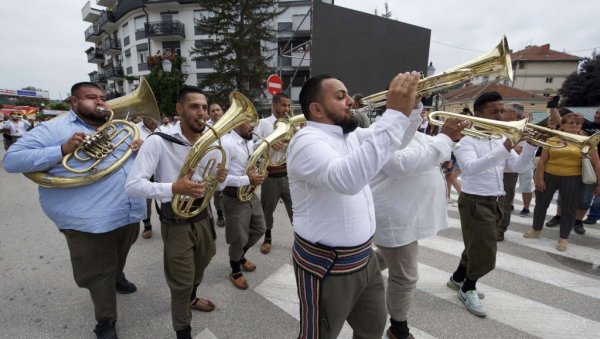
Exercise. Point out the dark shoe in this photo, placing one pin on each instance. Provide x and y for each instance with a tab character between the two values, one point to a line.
186	333
203	305
124	286
500	236
221	222
248	266
579	228
105	329
589	221
391	335
265	248
525	213
554	221
147	234
239	282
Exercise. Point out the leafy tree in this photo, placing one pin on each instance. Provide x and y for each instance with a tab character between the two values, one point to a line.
165	85
58	106
582	88
32	88
237	29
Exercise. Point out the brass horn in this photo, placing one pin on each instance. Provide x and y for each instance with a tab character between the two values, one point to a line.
496	61
241	111
494	129
98	146
283	131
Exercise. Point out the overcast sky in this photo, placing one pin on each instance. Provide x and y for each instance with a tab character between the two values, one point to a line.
43	42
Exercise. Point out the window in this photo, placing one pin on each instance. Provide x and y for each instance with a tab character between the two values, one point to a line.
166	17
126	41
521	65
197	16
142	57
549	80
139	23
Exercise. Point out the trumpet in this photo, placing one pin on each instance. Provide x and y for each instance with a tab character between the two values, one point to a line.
513	130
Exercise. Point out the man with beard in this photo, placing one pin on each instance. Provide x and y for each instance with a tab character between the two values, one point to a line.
216	112
244	220
99	221
330	166
189	243
276	185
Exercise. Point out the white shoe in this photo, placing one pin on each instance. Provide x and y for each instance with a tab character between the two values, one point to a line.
472	302
457	285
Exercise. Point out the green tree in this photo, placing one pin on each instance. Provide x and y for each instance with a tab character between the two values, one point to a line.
165	84
58	106
237	29
582	88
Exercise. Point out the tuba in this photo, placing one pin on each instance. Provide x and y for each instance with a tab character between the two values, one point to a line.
283	131
496	61
98	146
241	111
513	130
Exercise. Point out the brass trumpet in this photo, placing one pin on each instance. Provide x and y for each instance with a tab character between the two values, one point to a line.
513	130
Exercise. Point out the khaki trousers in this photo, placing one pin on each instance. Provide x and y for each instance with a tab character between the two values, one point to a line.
188	249
402	277
98	259
480	219
244	224
271	190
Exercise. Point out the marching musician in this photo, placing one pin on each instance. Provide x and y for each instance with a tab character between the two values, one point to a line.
99	221
414	168
244	220
276	184
330	166
146	127
216	112
189	244
15	128
482	162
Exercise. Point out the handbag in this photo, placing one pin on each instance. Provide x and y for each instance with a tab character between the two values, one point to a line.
588	176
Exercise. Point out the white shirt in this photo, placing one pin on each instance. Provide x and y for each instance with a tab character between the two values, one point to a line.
143	130
210	122
163	159
164	128
17	129
329	175
265	127
483	161
410	192
238	152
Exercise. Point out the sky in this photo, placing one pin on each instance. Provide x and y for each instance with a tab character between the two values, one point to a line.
43	41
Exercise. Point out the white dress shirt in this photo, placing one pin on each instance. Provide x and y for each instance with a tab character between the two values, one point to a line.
17	129
210	122
163	159
164	128
143	130
238	151
265	127
329	175
483	161
410	192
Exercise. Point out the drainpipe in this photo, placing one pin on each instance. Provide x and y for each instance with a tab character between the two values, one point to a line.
147	21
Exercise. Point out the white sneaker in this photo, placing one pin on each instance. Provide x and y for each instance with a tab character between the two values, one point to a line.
457	285
472	302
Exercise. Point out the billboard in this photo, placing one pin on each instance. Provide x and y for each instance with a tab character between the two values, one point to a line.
25	93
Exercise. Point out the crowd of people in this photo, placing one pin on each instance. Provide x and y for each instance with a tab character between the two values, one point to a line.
342	180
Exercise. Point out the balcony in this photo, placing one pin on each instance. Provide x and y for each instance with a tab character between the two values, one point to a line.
95	56
92	34
107	21
90	14
106	3
111	46
165	30
114	73
96	77
300	59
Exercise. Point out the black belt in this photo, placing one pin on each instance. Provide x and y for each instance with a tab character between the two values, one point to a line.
166	214
483	197
278	175
230	191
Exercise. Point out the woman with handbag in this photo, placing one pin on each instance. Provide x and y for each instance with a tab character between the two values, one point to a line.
561	169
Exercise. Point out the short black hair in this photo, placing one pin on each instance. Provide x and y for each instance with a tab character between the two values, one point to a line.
484	98
310	92
75	88
279	96
185	90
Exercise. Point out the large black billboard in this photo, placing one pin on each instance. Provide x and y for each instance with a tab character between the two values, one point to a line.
365	51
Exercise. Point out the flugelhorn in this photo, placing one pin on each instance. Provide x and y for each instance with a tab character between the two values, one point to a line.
240	112
88	160
497	61
283	131
493	129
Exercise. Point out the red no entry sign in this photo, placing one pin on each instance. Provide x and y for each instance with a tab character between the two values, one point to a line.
274	84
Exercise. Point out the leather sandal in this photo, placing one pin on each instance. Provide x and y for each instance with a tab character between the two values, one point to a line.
532	234
239	282
203	305
248	266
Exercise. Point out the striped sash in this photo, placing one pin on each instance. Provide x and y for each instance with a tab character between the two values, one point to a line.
312	263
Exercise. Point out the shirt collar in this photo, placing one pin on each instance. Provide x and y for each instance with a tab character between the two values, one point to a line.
330	129
73	117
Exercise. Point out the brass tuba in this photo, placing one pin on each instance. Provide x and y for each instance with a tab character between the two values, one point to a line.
513	130
496	61
241	111
98	146
283	131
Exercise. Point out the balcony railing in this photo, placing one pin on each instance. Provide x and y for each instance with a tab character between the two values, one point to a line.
95	56
96	77
114	73
92	34
107	20
111	46
165	29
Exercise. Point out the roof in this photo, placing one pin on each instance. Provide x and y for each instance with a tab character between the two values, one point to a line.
542	53
471	92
